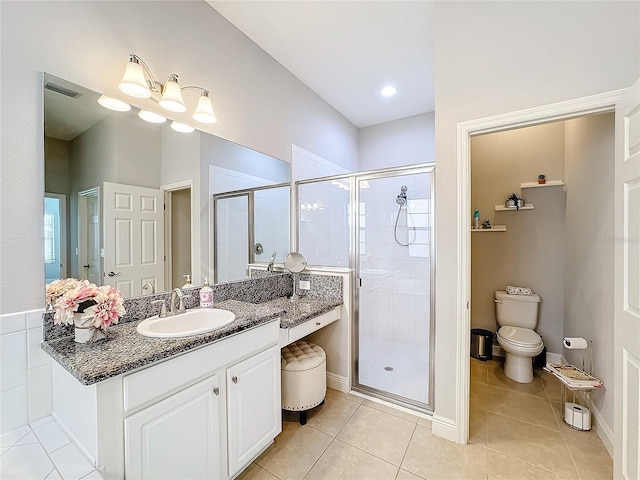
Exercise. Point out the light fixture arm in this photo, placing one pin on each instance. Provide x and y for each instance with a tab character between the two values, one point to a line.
203	90
153	85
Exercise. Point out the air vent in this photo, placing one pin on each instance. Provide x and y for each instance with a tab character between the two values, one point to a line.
58	89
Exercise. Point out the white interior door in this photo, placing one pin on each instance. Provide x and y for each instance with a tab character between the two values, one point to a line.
627	286
133	238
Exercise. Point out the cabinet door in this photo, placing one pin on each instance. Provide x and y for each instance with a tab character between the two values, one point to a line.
176	438
253	409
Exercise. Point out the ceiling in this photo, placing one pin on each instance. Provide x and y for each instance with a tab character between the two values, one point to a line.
346	51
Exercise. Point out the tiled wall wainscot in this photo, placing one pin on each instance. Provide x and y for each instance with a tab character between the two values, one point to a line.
25	380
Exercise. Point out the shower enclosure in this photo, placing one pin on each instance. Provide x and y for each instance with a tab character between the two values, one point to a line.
382	221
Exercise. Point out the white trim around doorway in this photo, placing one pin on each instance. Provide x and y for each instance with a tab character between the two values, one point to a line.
566	110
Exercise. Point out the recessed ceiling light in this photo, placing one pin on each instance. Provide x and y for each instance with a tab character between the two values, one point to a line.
151	117
114	104
388	91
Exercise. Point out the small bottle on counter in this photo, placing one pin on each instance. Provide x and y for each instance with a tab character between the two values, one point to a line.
206	295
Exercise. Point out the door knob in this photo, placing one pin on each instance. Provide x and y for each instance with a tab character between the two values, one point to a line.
112	274
234	379
216	391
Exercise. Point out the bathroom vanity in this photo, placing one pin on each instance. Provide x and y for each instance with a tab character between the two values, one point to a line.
194	407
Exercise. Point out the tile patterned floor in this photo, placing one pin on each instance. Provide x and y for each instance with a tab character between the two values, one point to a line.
516	433
43	451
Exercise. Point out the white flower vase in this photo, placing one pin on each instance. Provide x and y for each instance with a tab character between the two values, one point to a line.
84	331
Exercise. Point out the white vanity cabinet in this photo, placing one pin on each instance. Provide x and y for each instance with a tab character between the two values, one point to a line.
178	437
253	387
205	414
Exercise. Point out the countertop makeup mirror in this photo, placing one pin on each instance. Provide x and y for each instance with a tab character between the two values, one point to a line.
295	262
130	203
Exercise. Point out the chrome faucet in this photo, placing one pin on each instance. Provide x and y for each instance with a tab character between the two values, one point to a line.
273	259
176	293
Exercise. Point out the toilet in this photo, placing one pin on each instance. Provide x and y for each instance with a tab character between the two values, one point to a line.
517	316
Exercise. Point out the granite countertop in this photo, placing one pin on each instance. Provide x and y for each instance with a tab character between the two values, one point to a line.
127	350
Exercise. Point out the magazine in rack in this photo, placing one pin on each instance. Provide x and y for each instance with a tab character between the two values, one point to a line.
573	377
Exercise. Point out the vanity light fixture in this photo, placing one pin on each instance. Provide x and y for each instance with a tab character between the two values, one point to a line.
138	81
151	117
113	104
181	127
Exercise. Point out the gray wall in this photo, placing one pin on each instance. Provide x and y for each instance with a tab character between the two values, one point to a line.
531	252
588	303
257	101
498	57
402	142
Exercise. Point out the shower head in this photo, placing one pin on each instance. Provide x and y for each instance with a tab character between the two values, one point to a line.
402	198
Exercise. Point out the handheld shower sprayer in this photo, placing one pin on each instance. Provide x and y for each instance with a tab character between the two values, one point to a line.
402	198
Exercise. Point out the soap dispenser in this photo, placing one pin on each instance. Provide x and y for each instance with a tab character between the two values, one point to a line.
187	283
206	295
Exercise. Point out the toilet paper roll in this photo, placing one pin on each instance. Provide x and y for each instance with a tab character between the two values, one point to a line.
575	343
577	416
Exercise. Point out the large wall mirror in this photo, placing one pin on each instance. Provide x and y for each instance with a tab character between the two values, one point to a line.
131	203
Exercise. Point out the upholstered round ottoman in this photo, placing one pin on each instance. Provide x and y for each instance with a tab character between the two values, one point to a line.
304	377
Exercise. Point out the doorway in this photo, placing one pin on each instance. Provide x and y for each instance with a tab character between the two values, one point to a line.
89	218
55	236
570	109
178	239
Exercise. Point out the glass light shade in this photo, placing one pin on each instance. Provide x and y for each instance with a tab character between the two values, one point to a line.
133	82
172	96
204	110
151	117
181	127
113	104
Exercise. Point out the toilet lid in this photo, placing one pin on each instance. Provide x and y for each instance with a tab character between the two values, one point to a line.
519	336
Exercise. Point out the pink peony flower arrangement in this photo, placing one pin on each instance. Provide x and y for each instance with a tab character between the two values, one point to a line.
103	305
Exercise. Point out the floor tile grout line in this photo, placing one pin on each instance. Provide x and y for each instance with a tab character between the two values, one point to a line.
546	469
319	457
415	427
55	465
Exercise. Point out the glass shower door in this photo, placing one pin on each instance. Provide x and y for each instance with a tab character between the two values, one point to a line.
394	328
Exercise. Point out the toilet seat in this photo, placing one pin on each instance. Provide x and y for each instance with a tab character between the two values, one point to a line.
519	337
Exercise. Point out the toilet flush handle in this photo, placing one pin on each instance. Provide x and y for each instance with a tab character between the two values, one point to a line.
498	301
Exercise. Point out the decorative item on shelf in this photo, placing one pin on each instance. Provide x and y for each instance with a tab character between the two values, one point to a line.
514	200
476	219
486	224
542	179
91	309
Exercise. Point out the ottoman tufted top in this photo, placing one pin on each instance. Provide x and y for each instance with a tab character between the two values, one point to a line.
302	355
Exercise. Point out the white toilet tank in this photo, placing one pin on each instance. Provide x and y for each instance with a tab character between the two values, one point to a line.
517	310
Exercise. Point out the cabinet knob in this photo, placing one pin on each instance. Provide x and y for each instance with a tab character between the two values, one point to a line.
318	323
216	391
234	379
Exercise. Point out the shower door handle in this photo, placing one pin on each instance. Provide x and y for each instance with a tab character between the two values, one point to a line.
359	282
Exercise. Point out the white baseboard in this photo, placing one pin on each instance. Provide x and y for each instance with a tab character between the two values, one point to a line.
338	382
444	427
602	429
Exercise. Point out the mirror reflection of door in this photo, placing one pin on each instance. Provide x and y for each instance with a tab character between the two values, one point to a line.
55	237
89	260
178	238
134	238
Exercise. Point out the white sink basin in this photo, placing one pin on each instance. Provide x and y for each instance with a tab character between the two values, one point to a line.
191	322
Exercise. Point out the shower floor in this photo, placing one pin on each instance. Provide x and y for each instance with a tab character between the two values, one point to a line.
409	364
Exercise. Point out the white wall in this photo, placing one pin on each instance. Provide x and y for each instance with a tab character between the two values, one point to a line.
498	57
402	142
588	304
531	252
258	102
